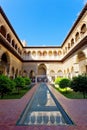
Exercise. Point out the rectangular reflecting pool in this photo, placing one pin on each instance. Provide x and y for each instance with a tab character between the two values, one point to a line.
44	109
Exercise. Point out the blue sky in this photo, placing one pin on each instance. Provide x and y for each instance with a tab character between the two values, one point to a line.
42	22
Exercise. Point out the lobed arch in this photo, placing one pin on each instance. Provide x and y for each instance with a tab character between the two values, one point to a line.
81	62
72	42
83	28
55	53
60	73
34	53
5	57
24	73
50	53
5	63
44	53
25	52
59	52
3	31
76	36
29	52
52	72
9	38
42	69
39	53
13	43
32	74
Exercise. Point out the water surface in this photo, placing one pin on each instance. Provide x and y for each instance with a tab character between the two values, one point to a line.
44	109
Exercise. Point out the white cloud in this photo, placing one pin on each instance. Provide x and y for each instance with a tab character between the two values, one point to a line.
84	1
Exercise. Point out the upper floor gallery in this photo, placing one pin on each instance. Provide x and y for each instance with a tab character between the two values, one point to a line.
75	39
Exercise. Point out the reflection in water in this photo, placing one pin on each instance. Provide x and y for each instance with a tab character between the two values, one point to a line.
42	109
42	97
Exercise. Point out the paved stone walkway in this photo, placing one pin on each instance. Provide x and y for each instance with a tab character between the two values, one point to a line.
10	111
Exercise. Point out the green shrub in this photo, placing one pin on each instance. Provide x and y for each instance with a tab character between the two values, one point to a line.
6	85
27	80
20	83
79	83
64	83
57	80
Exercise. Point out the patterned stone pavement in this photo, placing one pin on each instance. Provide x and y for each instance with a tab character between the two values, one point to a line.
10	111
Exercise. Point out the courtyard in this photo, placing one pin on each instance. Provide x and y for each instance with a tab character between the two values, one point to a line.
10	111
43	63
